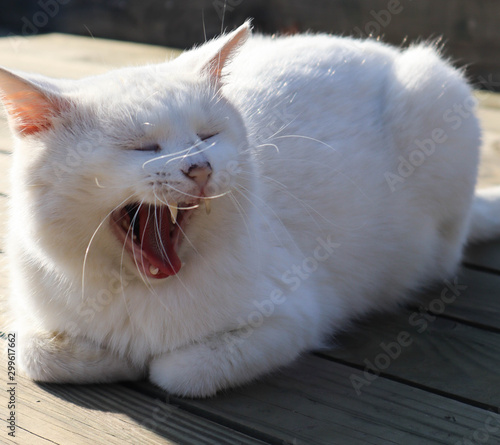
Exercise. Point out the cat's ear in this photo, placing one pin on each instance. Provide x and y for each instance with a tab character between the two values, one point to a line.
30	109
232	43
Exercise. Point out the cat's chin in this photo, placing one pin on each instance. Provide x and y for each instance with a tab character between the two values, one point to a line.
152	235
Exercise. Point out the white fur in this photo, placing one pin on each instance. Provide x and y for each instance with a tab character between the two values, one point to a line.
316	227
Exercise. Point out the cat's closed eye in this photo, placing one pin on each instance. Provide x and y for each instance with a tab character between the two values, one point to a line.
149	147
206	136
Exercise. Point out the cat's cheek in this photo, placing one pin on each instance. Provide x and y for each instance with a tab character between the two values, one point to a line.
227	169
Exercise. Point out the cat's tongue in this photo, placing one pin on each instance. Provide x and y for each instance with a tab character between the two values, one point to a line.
158	241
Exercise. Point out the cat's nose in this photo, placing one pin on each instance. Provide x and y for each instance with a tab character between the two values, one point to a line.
199	173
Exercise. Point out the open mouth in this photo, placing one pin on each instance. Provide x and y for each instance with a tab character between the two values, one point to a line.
152	235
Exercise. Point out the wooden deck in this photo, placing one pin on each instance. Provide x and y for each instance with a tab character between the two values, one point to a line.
427	374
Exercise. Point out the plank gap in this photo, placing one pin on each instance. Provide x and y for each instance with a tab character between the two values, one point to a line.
416	385
471	323
28	432
456	318
184	404
480	268
319	390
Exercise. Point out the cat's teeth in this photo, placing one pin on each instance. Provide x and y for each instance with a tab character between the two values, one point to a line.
208	206
173	212
153	270
125	225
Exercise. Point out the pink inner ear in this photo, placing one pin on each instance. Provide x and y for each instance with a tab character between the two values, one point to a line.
29	113
29	109
237	39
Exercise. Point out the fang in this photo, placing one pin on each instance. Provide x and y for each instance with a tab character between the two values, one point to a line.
173	212
154	270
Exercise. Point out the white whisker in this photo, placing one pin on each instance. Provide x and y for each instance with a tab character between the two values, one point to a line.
243	213
309	138
181	154
92	239
270	222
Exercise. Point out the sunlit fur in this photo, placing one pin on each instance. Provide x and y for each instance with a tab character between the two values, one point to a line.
305	231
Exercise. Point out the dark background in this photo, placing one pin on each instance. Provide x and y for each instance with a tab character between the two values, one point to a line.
470	29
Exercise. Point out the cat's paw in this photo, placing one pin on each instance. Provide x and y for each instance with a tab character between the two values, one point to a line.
56	357
198	370
224	361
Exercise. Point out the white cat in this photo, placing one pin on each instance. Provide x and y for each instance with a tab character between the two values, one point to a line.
206	220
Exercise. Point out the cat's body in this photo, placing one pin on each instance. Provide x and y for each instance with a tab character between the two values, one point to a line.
340	174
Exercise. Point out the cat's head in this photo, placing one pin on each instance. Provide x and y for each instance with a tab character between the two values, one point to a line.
114	167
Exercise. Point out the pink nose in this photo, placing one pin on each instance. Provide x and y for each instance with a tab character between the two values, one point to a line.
199	173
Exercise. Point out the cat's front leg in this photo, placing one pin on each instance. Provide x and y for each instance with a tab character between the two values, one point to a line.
231	358
59	358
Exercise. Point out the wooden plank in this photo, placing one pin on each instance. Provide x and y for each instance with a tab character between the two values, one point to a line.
472	297
489	112
478	302
485	255
314	402
487	99
111	414
489	168
435	353
489	116
68	56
